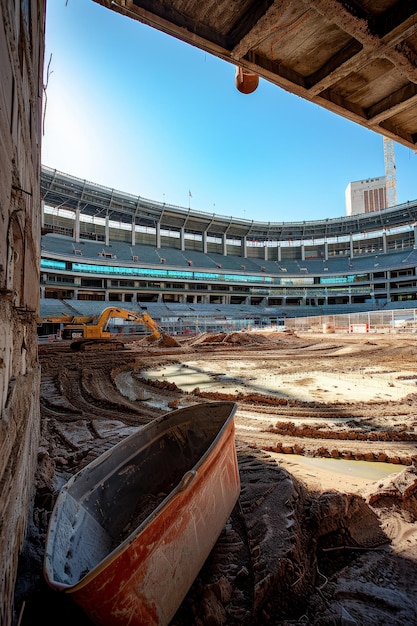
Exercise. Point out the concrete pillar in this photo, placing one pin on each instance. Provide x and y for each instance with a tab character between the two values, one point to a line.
77	225
224	242
244	247
351	245
326	250
182	239
107	231
133	233
303	252
158	235
205	242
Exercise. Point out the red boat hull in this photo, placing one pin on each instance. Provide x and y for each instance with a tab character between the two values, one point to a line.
143	581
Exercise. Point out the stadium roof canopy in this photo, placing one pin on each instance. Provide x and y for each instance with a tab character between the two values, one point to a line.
63	191
357	58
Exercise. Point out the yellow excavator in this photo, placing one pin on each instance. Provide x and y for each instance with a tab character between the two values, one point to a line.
92	336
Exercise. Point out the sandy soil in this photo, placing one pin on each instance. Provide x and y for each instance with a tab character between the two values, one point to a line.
308	543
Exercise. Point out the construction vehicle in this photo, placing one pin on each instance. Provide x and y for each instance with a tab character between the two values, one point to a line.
92	336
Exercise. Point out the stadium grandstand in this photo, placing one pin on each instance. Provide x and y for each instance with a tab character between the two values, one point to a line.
201	271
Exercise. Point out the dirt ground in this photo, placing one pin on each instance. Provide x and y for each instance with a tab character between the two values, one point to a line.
309	542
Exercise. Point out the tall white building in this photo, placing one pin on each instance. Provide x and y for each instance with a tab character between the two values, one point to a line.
366	196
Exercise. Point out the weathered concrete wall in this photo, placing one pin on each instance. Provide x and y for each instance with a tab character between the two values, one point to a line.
21	70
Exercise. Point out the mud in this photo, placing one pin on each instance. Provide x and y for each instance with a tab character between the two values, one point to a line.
303	546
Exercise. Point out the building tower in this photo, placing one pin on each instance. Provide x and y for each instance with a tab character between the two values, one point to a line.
366	196
390	172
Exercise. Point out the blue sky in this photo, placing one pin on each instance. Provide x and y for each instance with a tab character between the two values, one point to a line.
138	111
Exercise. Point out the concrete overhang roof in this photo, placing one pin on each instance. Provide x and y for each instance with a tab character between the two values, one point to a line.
356	58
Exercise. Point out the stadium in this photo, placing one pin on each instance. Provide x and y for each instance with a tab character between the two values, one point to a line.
304	542
194	271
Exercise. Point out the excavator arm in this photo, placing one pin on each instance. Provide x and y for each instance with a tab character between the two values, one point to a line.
130	316
151	325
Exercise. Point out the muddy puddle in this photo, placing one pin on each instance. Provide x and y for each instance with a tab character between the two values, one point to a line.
358	469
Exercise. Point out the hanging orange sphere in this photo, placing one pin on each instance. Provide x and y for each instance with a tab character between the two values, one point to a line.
246	82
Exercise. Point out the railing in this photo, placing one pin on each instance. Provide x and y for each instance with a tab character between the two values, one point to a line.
387	321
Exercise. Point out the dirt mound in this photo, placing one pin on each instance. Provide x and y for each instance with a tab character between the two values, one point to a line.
238	338
399	491
168	341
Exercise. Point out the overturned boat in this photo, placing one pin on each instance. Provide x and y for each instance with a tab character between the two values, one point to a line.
130	531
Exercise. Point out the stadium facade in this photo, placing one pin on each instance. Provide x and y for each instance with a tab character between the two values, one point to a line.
105	246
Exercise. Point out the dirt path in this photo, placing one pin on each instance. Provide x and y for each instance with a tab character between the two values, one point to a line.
306	544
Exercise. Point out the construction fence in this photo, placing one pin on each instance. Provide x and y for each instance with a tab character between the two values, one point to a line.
394	321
